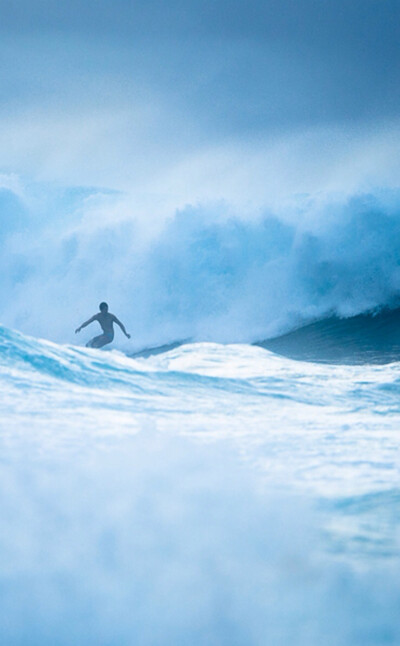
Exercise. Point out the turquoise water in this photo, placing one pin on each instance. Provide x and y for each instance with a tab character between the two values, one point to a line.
212	494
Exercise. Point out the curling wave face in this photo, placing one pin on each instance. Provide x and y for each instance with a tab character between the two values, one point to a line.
366	338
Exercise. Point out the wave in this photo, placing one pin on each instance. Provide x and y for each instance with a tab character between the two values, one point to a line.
30	363
153	543
366	338
208	273
159	476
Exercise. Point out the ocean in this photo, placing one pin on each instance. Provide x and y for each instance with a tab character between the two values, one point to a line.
230	476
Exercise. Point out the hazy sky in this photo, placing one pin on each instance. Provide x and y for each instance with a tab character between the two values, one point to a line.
202	97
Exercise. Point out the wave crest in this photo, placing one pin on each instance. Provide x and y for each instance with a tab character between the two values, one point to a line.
208	273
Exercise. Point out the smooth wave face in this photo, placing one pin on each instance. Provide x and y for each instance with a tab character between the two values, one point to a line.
367	338
210	494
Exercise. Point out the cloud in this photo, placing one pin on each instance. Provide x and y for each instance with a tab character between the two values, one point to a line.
247	103
233	67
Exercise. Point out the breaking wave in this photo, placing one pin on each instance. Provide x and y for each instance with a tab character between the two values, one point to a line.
205	273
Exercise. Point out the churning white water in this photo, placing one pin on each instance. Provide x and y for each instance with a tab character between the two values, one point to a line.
211	494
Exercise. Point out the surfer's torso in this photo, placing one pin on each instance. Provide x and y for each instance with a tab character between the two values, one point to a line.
106	321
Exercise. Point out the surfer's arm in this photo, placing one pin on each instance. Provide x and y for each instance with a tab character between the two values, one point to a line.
92	318
121	325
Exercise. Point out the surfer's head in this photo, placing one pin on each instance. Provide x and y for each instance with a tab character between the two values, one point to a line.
103	307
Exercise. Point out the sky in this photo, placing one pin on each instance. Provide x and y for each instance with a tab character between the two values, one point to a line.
185	101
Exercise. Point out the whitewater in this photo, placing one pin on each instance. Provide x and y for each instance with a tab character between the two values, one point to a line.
214	481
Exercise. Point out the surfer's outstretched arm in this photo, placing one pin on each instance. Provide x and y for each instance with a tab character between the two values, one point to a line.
121	325
92	318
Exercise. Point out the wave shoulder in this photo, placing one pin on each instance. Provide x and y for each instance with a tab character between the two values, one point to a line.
366	338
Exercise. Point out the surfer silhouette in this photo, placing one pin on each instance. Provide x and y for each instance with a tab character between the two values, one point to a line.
106	320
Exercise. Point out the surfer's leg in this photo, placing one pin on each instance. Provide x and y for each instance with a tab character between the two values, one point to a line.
99	341
95	342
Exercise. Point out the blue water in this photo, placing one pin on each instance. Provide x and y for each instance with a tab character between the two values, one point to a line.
210	494
211	491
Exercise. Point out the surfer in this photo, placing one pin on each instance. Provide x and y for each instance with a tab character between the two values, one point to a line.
106	321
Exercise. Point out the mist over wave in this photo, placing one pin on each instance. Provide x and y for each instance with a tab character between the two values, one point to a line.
206	272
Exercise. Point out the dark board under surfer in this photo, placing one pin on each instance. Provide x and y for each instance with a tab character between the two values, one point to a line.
106	320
